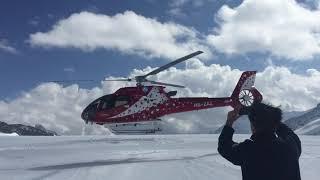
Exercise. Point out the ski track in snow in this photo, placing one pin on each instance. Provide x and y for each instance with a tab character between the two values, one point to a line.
178	157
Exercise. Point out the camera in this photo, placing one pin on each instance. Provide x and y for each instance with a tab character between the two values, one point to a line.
244	110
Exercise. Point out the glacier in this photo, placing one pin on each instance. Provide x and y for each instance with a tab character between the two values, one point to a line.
157	157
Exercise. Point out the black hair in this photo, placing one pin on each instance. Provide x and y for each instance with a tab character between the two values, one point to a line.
264	117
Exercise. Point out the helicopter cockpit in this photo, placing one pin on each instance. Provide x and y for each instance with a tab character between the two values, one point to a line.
104	103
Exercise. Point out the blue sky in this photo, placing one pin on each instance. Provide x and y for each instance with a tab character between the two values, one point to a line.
30	66
42	40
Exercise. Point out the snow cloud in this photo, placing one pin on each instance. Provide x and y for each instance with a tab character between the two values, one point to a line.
127	32
58	108
283	28
55	107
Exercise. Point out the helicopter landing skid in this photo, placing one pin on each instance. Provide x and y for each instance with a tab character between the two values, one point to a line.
148	127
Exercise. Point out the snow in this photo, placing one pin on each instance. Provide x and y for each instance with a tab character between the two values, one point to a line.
129	157
312	128
6	134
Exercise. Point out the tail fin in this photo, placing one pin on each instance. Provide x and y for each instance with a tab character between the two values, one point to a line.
245	93
246	81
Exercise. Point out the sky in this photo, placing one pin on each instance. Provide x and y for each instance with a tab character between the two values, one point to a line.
44	41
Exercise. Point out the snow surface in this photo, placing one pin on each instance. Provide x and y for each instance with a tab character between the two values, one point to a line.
7	134
129	157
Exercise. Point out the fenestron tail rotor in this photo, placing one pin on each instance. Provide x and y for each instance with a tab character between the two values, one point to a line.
143	78
246	97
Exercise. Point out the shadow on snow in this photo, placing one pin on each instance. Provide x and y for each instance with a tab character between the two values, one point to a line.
113	162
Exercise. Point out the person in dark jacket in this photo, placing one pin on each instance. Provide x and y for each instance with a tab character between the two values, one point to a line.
272	152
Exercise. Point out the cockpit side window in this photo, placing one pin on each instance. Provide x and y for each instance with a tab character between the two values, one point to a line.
104	105
107	102
121	100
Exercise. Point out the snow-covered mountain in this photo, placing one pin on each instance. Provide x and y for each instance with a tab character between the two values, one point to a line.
307	123
303	122
312	128
23	130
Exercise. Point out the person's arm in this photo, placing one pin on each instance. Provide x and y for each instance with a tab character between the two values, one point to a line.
230	150
226	147
284	132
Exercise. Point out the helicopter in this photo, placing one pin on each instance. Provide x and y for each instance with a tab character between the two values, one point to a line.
138	109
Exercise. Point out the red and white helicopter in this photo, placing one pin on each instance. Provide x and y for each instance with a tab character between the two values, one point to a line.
138	109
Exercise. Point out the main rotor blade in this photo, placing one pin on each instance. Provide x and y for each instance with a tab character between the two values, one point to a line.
128	79
165	84
156	71
74	81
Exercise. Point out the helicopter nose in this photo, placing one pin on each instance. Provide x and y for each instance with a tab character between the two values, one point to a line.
86	121
85	116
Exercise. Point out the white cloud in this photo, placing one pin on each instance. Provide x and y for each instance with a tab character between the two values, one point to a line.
59	108
4	46
177	8
292	91
181	3
69	69
177	12
178	3
281	27
127	32
34	21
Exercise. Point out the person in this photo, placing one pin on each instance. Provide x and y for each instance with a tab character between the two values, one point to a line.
271	153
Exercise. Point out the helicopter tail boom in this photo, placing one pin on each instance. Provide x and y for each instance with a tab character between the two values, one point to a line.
244	94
